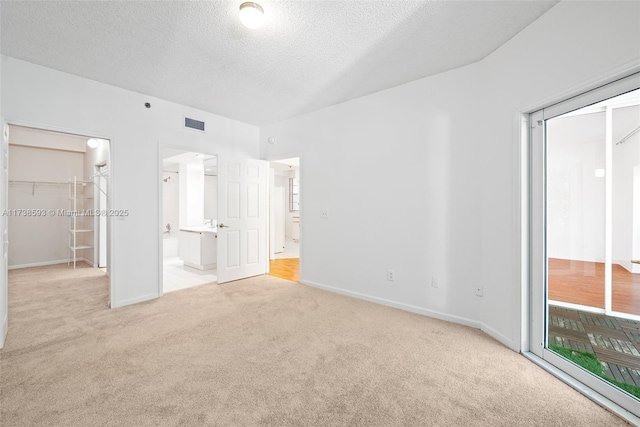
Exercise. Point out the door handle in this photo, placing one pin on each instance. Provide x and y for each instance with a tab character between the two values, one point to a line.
221	225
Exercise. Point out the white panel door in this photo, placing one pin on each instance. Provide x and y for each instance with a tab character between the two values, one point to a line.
242	218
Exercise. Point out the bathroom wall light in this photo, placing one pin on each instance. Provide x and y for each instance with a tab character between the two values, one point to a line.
251	15
93	143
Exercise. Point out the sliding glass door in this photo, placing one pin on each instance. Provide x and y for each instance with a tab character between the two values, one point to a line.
585	239
591	156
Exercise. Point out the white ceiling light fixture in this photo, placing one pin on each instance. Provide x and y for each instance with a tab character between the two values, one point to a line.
93	143
251	15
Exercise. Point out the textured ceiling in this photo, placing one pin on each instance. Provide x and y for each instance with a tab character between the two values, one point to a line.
307	55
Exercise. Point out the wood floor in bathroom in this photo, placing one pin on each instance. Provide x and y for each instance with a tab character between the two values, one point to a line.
285	268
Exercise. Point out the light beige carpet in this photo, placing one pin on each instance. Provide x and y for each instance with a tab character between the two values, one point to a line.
261	351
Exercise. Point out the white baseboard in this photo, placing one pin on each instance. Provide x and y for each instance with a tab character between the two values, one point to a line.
423	311
4	329
38	264
92	264
499	337
401	306
118	304
629	266
41	264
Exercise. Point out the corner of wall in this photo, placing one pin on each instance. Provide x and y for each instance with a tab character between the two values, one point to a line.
406	307
4	309
136	300
4	329
503	339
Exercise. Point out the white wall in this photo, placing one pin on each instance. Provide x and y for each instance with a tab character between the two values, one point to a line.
282	174
281	180
40	240
50	99
191	206
170	201
575	196
4	289
93	157
425	177
44	139
635	249
288	213
211	197
626	157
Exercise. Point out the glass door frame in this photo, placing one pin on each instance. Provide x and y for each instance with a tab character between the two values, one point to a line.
538	302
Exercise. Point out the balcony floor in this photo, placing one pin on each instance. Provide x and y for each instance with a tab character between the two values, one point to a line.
615	341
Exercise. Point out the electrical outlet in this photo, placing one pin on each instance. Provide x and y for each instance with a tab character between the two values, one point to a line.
391	275
324	214
478	290
435	282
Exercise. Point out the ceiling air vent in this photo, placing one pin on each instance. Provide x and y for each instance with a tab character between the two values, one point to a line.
193	124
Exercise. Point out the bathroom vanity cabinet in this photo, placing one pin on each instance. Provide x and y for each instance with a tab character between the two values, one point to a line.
198	247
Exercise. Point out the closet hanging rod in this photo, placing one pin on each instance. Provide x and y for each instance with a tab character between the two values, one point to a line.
633	132
34	183
104	174
14	181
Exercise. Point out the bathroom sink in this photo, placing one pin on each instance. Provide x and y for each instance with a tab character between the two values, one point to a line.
201	229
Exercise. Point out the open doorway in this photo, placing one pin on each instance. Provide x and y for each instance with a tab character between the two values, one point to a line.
189	219
285	219
56	216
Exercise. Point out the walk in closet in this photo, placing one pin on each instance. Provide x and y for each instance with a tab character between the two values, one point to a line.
54	194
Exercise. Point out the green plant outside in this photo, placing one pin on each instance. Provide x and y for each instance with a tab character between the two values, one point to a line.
591	363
